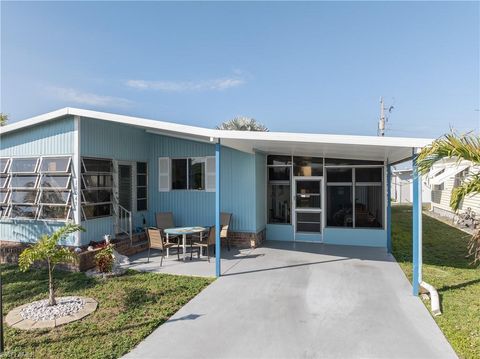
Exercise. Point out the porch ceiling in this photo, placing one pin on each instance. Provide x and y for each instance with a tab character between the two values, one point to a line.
392	153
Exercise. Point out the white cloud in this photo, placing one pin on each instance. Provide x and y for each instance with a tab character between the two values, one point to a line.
219	84
85	98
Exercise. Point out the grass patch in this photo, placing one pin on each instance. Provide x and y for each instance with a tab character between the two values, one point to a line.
446	268
130	308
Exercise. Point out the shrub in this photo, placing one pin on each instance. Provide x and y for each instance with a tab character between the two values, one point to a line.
104	259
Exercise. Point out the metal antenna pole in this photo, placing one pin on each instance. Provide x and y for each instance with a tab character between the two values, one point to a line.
381	122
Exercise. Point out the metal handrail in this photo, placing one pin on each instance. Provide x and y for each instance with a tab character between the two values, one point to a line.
125	222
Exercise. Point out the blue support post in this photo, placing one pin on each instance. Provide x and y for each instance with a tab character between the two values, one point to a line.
417	227
217	209
389	208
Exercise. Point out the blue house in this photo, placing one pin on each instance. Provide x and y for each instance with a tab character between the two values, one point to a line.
101	170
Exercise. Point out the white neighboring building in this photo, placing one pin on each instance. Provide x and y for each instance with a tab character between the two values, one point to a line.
443	178
402	187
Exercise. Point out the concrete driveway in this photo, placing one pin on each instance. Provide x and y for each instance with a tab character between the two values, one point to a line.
303	301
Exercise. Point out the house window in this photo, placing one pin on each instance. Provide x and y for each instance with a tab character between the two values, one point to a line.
460	177
439	187
4	162
179	173
188	173
368	197
24	165
307	166
36	188
365	185
279	195
142	186
196	173
339	197
55	164
97	190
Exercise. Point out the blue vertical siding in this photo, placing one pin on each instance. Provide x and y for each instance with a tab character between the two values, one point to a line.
260	191
106	139
49	138
238	185
55	137
188	207
113	140
280	232
96	228
30	231
198	207
356	236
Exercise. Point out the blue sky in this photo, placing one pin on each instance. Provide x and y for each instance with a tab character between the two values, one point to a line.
299	67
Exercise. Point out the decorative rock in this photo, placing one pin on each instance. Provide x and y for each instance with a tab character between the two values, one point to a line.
39	315
40	310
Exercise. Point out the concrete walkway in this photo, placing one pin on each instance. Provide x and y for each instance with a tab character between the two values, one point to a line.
303	301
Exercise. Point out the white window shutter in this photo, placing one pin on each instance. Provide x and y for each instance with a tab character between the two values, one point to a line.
210	174
163	174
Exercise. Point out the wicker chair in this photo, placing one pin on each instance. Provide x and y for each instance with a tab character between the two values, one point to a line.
165	220
225	219
156	241
207	241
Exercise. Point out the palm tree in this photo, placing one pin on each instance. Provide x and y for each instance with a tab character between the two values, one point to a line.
3	119
47	249
462	147
242	123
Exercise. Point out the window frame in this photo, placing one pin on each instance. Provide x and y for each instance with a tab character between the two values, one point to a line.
7	181
67	186
84	187
41	207
34	218
35	171
7	197
137	186
67	170
353	184
15	175
289	183
187	159
66	203
7	166
36	189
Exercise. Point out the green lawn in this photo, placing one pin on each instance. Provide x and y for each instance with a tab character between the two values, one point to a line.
447	269
130	308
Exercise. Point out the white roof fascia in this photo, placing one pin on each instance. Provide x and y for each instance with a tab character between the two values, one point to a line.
449	172
241	140
433	172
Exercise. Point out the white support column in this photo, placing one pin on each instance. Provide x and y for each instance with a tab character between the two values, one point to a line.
76	179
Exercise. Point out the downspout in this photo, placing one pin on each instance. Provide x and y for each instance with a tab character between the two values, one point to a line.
434	298
418	283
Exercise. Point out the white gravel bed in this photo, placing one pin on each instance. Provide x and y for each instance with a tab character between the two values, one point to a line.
40	310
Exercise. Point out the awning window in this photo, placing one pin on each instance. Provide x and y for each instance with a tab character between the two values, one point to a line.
449	172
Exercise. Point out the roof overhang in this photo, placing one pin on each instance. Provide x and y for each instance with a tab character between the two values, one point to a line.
391	149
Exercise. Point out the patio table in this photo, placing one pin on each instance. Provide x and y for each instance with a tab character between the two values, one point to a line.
184	231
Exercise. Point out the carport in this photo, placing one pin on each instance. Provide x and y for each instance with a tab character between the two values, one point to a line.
302	300
386	150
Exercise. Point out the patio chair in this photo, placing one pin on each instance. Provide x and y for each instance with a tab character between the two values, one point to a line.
207	241
165	220
156	241
225	219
